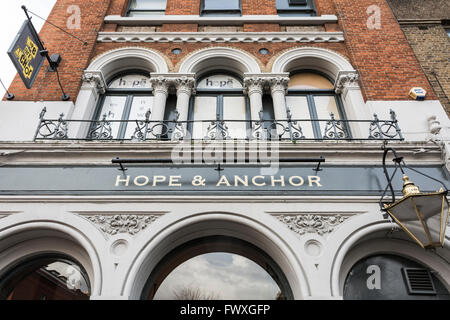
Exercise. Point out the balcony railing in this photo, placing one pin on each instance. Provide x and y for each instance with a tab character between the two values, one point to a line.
173	130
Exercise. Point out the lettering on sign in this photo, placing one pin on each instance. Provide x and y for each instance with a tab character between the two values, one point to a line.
223	181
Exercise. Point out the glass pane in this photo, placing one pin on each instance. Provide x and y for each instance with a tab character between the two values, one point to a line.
219	82
57	280
234	109
221	5
218	276
113	108
308	81
131	81
148	5
324	106
139	107
299	110
205	108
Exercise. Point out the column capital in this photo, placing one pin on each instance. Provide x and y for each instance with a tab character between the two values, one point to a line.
278	84
254	84
94	79
346	80
160	85
185	84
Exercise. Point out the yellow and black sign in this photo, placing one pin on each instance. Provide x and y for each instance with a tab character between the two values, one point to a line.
25	54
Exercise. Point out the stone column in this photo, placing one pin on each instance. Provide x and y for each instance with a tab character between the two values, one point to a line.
278	88
253	87
347	86
93	86
185	88
160	87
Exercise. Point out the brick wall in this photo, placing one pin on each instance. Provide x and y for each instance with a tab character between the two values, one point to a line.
423	9
386	62
75	55
428	40
387	65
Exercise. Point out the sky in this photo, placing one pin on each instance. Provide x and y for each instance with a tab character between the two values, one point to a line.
11	19
222	276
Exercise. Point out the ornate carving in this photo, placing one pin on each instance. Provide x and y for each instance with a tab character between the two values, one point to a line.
185	85
254	85
312	223
278	84
96	80
161	85
346	79
115	224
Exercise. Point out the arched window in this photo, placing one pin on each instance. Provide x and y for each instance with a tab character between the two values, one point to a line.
219	110
128	98
217	268
311	95
49	277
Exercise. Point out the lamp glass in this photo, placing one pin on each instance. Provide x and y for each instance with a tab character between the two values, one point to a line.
423	216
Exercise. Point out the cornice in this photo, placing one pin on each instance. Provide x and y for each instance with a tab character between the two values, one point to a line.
101	153
216	20
221	37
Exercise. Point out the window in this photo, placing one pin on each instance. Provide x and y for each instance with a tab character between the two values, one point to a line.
146	7
45	278
217	268
221	7
311	96
219	110
296	7
128	98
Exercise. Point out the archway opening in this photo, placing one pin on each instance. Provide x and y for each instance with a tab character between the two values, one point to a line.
215	268
45	277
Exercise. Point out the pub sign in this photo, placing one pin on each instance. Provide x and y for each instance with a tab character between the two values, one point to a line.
25	54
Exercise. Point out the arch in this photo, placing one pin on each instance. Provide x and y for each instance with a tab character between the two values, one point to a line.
119	60
173	230
326	61
371	240
223	58
24	237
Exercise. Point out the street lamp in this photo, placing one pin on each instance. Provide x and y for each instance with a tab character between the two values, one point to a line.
423	216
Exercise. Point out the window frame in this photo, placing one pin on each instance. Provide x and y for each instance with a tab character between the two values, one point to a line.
220	12
310	94
286	9
129	10
219	94
129	94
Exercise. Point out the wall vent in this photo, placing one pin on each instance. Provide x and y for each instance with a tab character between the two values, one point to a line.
419	281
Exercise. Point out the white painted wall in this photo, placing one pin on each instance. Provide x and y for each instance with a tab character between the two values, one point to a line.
19	119
413	117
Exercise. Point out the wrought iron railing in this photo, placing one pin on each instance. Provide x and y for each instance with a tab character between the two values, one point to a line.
287	129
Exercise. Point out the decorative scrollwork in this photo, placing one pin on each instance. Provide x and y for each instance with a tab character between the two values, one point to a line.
217	130
312	223
101	130
52	129
115	224
335	129
382	130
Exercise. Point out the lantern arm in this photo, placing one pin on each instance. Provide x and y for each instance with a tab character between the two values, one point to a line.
399	163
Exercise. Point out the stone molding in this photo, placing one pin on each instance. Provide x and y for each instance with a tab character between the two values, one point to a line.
219	20
346	79
94	79
221	37
320	224
121	223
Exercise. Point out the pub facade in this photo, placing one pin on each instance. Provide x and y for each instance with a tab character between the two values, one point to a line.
220	150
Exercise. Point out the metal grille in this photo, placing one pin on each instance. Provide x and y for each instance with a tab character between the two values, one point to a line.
419	281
